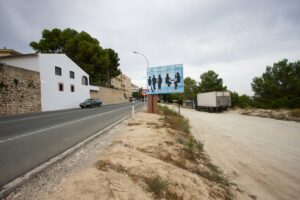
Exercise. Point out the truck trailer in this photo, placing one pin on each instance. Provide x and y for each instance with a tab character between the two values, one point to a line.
213	101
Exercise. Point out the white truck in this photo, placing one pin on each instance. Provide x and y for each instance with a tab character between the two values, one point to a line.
213	101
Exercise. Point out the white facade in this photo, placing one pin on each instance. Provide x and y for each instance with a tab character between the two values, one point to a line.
52	98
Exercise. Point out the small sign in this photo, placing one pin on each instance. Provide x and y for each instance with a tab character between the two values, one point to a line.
144	93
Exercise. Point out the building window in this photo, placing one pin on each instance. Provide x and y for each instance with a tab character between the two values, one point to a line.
57	71
72	88
61	87
84	80
72	74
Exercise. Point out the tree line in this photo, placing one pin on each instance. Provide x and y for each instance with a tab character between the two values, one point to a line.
101	64
277	87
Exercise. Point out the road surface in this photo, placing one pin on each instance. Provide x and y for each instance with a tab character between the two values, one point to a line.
261	155
29	140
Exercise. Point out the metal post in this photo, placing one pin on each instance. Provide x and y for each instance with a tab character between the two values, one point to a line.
146	72
132	107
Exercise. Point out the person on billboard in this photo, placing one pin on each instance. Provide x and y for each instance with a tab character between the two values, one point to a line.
167	80
154	82
150	83
177	80
159	82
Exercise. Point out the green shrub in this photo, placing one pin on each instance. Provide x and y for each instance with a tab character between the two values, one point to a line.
157	185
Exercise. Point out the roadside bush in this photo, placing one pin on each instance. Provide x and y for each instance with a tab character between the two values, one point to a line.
157	185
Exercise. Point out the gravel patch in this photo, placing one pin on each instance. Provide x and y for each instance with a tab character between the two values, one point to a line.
43	183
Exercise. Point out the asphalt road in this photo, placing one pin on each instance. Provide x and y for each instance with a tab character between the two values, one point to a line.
29	140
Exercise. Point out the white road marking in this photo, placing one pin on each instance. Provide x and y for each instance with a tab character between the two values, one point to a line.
38	116
60	125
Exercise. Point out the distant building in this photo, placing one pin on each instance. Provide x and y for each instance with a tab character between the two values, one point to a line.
122	82
134	88
9	52
63	84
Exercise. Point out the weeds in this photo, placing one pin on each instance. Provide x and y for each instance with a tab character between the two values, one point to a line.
157	185
134	124
181	141
214	174
173	120
153	124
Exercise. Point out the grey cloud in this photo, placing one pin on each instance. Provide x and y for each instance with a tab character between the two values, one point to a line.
196	33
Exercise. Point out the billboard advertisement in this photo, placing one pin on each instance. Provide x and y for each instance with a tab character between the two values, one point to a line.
165	79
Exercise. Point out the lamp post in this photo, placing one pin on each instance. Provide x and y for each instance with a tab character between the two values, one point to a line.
147	70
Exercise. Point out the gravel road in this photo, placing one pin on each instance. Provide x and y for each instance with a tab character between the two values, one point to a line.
261	155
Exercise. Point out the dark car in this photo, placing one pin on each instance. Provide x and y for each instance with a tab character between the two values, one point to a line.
91	103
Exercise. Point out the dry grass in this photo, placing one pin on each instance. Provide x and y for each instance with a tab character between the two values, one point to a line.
295	113
160	188
153	125
104	165
173	120
134	124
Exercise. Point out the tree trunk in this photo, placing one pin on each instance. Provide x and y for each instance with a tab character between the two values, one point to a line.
108	78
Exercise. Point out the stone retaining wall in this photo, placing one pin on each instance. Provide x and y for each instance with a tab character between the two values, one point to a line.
20	90
109	95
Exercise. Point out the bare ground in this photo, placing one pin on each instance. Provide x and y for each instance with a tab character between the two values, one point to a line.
261	155
146	162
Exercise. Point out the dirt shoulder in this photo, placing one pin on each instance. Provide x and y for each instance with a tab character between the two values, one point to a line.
150	160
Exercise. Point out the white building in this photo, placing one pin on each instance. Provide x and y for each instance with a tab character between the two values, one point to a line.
63	83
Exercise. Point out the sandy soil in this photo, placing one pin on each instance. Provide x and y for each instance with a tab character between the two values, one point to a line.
146	150
261	155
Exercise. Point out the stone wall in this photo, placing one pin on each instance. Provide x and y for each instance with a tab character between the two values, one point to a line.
109	95
20	90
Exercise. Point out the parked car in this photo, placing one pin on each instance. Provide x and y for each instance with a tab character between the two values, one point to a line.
131	99
91	103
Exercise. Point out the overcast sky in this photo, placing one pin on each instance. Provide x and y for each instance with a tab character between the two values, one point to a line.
237	39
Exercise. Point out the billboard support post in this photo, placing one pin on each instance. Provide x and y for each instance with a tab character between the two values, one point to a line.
152	103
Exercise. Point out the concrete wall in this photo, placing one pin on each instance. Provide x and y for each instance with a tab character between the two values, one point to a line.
52	98
19	91
109	95
29	62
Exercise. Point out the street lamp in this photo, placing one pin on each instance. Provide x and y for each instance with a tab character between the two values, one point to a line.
144	57
147	70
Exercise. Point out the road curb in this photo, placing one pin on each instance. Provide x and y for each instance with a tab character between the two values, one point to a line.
8	188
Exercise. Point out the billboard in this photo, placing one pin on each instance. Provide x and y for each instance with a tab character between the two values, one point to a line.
165	79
